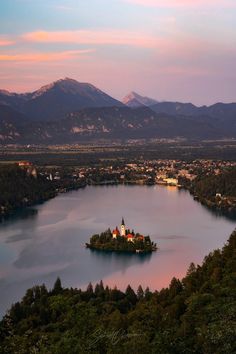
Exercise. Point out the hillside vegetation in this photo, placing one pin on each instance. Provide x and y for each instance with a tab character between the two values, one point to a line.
19	188
224	183
195	315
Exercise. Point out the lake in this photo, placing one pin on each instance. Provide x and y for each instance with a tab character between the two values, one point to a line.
35	248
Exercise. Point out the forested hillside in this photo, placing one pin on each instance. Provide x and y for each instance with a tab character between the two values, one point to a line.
217	191
19	188
224	184
195	315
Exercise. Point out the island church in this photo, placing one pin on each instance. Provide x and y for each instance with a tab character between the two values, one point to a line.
130	236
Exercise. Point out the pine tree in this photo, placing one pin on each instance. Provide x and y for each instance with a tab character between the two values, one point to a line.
130	295
140	292
57	288
90	289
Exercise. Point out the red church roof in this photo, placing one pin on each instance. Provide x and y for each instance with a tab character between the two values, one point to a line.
116	232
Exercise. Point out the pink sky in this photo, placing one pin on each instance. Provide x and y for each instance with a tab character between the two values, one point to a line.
168	49
183	3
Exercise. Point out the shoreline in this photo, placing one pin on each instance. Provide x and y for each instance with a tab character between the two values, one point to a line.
210	205
137	251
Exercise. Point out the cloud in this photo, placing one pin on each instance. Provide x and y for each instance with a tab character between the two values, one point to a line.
108	37
5	42
41	57
182	3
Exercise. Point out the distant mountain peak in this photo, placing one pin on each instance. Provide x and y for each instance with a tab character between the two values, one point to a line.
57	99
68	86
67	79
132	95
133	99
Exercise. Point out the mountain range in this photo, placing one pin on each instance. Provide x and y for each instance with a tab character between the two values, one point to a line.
67	111
135	100
54	101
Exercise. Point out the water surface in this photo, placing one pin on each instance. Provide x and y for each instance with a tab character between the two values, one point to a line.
50	243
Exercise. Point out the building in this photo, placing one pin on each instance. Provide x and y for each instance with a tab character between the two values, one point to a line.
130	237
122	228
24	164
123	232
28	166
115	232
171	181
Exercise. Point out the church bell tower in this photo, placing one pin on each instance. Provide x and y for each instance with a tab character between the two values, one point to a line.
122	228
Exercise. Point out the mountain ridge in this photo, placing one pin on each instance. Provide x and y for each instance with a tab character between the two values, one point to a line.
55	100
134	100
66	111
111	123
217	110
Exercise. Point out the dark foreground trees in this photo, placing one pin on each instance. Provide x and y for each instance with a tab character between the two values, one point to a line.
195	315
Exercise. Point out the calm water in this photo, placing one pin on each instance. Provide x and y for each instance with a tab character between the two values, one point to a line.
50	243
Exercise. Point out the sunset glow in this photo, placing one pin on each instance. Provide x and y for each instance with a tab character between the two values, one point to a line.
159	46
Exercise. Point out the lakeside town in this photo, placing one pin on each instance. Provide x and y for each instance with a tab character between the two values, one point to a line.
205	179
165	172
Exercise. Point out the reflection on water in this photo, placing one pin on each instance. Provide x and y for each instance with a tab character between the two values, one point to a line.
37	247
122	258
228	214
23	213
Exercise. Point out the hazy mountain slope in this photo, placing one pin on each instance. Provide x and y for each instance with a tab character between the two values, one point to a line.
11	124
68	111
54	101
218	110
135	100
112	123
175	108
13	100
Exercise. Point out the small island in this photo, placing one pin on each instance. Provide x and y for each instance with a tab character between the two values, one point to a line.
122	240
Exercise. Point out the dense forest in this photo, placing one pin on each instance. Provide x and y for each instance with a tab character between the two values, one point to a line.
224	183
20	188
195	315
25	186
216	191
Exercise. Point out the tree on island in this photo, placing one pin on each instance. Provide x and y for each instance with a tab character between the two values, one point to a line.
106	242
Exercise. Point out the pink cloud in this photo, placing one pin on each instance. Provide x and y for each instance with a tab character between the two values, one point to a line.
5	42
175	43
41	57
182	3
109	37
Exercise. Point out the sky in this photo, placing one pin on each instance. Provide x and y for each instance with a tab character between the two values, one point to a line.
172	50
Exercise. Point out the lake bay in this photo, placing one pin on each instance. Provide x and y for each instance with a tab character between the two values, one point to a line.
37	248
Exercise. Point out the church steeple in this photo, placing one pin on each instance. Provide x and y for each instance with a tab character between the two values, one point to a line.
122	227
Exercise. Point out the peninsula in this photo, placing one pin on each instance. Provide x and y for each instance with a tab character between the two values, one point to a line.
122	240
